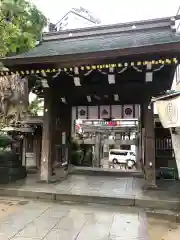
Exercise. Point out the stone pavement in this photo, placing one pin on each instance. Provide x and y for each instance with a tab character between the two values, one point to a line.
162	229
52	221
80	184
98	189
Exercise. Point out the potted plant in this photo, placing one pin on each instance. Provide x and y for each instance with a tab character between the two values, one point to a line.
76	153
10	164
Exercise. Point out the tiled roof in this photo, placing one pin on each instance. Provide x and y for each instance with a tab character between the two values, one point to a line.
97	41
100	43
168	95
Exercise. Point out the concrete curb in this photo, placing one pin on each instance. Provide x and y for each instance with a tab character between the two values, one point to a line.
164	214
104	172
62	197
157	203
121	201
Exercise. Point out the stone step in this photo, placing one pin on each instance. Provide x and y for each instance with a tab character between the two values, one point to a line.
125	200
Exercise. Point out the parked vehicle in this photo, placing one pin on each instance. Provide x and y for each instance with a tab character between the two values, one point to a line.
126	158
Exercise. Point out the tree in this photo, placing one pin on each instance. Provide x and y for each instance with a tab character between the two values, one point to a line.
21	26
35	106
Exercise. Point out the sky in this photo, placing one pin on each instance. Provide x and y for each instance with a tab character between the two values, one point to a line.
111	11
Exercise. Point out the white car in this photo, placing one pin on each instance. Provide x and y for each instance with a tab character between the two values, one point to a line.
117	156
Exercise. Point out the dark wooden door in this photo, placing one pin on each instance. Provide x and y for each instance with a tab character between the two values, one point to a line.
163	147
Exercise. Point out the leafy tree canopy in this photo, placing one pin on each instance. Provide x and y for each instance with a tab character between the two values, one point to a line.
35	106
21	26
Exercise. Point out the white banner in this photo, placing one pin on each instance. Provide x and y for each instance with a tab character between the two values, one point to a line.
169	112
116	111
104	112
128	111
82	112
93	112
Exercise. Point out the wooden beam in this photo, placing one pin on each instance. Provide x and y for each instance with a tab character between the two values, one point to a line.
99	89
130	93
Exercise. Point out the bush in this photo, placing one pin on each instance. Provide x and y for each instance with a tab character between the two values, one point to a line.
111	146
5	140
74	144
6	156
76	157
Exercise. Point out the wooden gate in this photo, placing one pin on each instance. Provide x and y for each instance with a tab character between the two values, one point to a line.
164	149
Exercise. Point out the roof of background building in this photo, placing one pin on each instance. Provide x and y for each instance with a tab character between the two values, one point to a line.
83	13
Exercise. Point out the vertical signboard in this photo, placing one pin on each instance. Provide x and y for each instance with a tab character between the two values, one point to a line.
73	121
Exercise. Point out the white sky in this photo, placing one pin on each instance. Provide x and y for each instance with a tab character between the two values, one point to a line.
111	11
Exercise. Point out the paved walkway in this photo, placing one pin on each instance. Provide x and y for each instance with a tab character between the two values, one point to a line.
162	229
101	186
51	221
80	184
99	189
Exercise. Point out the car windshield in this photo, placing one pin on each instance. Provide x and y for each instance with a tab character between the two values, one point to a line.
118	153
132	153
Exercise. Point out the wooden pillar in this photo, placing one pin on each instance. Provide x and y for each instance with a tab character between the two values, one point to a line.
47	132
149	146
137	150
34	151
24	151
139	146
37	150
96	162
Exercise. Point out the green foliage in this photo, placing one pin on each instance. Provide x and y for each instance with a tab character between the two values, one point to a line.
74	144
111	146
6	156
76	157
21	26
77	154
5	140
35	106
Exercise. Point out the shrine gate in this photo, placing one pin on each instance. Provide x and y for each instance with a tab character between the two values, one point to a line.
121	64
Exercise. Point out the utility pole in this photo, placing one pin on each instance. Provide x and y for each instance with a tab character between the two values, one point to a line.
178	11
